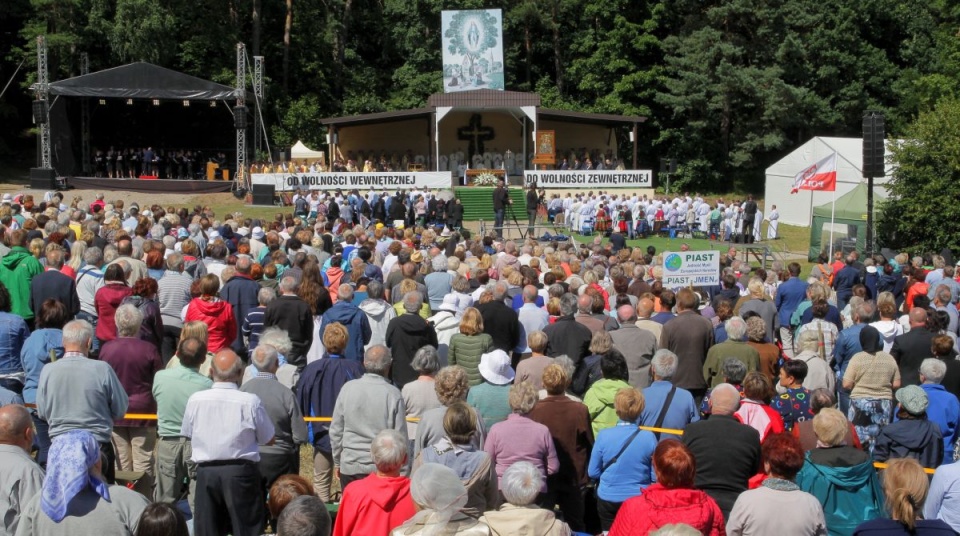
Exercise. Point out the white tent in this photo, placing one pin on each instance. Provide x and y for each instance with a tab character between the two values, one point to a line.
797	209
299	151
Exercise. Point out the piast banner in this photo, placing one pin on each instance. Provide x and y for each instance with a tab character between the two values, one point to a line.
634	178
349	181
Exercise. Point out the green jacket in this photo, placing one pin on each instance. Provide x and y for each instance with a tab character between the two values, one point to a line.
728	349
466	350
17	270
849	495
599	400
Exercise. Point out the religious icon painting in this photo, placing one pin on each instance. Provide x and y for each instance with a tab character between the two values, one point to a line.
472	42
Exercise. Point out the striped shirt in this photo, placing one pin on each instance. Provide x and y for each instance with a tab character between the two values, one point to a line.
89	281
173	294
253	326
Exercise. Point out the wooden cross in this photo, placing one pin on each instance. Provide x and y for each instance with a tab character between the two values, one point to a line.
476	134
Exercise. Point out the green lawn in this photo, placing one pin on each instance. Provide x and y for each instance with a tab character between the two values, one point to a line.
662	244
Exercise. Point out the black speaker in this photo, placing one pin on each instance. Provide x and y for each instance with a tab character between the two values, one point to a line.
240	117
43	179
873	145
40	111
263	194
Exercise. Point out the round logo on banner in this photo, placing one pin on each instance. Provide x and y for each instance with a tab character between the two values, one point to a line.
674	262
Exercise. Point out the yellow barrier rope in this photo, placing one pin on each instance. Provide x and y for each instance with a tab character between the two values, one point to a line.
670	431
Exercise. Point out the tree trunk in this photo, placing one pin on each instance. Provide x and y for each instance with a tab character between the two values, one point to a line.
287	28
528	47
340	48
557	62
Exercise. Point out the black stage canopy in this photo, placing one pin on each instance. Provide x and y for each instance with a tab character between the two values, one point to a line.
142	81
166	123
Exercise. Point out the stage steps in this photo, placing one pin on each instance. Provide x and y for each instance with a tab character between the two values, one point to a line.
478	203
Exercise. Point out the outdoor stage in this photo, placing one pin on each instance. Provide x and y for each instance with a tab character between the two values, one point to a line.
149	186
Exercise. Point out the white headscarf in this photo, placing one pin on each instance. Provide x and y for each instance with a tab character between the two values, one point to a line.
437	489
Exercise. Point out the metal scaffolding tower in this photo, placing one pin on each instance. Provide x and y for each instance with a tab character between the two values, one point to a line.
240	119
85	119
258	93
42	105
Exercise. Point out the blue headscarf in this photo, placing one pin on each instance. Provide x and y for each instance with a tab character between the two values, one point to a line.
68	472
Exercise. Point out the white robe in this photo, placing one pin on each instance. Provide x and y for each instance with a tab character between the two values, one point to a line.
774	219
757	235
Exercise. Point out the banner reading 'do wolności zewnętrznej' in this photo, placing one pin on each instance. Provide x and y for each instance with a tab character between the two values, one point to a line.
634	178
349	181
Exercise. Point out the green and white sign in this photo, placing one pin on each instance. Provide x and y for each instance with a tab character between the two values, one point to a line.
691	268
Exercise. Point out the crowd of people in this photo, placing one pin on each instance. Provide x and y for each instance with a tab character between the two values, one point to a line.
132	162
452	384
638	216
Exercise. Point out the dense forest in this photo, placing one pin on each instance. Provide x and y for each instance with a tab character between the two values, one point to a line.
729	85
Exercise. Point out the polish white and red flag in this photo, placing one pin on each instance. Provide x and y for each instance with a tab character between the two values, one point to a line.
820	176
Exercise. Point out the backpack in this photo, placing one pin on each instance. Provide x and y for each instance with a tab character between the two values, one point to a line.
302	205
825	276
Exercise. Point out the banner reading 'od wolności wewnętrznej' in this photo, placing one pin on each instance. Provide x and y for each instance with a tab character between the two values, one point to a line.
325	181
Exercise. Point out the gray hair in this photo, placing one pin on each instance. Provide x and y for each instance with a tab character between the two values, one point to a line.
288	285
375	290
521	483
278	338
266	295
736	328
305	515
724	399
77	332
93	256
944	295
567	364
244	264
265	358
232	374
128	319
345	293
389	450
734	370
412	302
933	370
522	398
377	360
439	263
426	360
500	291
808	341
54	257
110	253
865	311
568	304
664	364
679	529
175	262
822	398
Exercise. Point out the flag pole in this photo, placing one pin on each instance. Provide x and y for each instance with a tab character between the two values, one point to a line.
833	212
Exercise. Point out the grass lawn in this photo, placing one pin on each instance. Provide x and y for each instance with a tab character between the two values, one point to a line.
792	245
662	244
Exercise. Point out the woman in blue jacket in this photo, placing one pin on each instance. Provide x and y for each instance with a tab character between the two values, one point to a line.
622	457
41	347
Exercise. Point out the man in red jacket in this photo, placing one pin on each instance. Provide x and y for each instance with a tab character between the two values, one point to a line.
380	502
